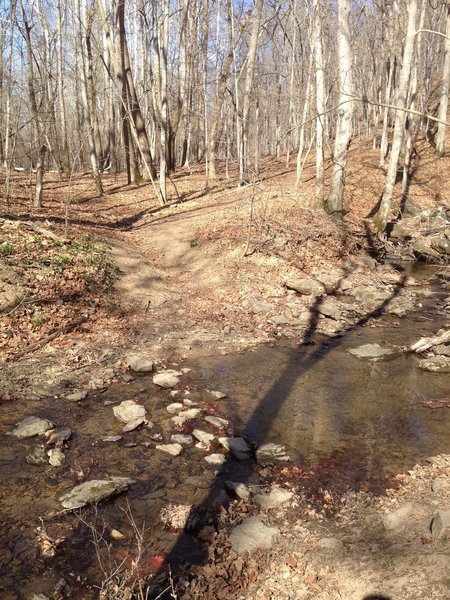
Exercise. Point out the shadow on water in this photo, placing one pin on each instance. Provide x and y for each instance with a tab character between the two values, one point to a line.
303	359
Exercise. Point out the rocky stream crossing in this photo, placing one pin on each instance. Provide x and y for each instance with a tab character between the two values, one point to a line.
161	446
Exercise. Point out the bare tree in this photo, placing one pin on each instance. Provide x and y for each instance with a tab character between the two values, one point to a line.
382	215
345	110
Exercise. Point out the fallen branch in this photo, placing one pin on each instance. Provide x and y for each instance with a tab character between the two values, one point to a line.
64	329
442	337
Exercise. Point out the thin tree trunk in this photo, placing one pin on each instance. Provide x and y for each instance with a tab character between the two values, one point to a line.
87	101
443	104
62	104
164	100
39	134
303	123
320	101
381	217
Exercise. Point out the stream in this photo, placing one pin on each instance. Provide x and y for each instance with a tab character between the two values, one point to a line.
355	422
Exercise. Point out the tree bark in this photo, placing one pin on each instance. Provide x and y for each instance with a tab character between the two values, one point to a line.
248	84
382	215
320	101
443	104
345	111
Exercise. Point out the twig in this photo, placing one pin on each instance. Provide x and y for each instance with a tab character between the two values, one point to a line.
57	332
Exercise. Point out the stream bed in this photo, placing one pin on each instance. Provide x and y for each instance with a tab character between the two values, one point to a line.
354	421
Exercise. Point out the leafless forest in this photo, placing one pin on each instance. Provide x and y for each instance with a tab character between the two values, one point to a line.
150	86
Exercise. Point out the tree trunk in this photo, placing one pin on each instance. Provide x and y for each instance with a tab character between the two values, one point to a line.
320	101
443	104
164	101
381	217
39	134
248	84
62	104
345	111
85	91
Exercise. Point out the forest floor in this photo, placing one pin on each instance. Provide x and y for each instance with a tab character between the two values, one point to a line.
87	281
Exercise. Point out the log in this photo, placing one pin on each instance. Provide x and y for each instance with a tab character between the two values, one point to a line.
442	337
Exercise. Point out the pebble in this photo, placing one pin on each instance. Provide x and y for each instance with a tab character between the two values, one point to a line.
56	457
76	396
274	498
134	424
172	449
217	395
128	410
181	438
203	437
215	459
116	534
238	489
167	379
140	364
216	421
111	438
174	408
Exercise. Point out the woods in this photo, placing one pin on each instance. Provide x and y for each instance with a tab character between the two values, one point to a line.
114	85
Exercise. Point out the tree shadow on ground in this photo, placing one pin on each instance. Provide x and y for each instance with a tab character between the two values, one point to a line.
309	352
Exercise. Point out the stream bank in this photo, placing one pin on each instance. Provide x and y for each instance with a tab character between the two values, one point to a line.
325	426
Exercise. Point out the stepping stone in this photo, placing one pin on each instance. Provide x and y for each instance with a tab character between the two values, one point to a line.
216	421
180	438
237	446
215	459
370	351
94	491
167	379
128	410
56	457
140	364
31	426
203	437
268	452
174	408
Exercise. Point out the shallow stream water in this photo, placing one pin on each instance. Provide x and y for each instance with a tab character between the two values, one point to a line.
358	421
